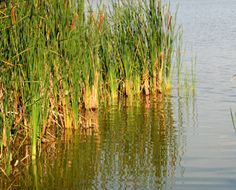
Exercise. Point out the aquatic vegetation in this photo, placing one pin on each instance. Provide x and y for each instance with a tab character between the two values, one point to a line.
233	116
57	59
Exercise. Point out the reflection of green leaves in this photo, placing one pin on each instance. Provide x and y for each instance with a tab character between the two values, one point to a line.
233	77
232	117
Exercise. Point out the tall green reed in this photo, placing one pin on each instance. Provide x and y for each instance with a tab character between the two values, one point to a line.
58	58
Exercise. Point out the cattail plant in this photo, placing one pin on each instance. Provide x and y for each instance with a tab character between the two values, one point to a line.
57	59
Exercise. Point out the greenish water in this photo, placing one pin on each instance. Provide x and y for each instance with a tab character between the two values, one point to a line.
134	147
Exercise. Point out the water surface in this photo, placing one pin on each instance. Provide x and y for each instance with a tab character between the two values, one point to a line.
210	31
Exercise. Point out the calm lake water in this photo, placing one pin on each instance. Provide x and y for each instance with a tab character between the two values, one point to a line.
177	142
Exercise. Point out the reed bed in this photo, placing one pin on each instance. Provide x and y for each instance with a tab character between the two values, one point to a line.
58	59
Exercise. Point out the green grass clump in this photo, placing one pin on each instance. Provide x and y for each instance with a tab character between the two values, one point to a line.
56	58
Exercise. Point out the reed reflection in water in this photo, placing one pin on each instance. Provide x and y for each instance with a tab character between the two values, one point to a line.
133	147
139	147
